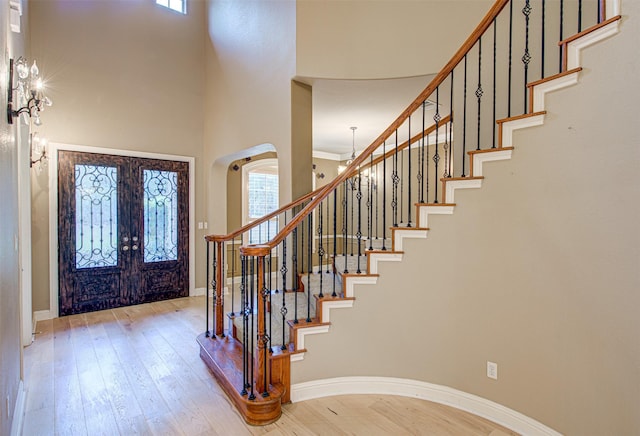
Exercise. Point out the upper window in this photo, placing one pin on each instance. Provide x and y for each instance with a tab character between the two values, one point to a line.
176	5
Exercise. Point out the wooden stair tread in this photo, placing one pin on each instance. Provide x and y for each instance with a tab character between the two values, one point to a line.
302	323
331	298
454	179
520	117
555	76
409	228
488	150
436	204
359	275
223	357
389	251
589	30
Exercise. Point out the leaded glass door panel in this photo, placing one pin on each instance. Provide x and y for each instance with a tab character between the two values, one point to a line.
123	231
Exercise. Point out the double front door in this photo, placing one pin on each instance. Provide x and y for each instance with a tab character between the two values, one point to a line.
122	231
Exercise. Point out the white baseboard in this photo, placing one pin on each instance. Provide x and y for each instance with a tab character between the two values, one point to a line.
197	292
41	315
18	411
425	391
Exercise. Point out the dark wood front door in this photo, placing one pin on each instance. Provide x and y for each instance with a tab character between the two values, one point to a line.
122	231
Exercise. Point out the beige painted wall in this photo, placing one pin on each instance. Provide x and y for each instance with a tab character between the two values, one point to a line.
250	61
537	271
353	39
13	46
119	79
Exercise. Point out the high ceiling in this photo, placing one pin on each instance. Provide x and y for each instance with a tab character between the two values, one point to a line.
369	105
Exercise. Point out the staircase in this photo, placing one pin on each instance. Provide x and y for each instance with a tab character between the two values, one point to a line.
286	288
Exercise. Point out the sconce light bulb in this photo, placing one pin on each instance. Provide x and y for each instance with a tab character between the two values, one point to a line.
34	69
39	84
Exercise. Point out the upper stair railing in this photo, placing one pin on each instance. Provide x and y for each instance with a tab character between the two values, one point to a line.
323	237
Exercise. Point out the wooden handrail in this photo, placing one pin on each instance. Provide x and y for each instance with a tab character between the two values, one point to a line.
262	219
431	87
249	226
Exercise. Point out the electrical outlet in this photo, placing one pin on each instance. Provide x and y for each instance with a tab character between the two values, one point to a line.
492	370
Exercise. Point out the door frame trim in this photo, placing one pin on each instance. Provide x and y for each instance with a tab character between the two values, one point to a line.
54	291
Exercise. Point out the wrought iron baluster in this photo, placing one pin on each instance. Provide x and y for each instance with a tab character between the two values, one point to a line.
436	154
395	179
493	126
302	246
335	235
263	337
376	200
320	246
214	290
543	19
207	290
359	232
450	167
310	264
294	260
464	120
283	309
401	175
370	202
479	90
245	325
252	395
409	176
384	196
579	16
526	57
352	186
561	34
601	12
327	236
220	313
270	294
345	217
421	153
233	276
510	57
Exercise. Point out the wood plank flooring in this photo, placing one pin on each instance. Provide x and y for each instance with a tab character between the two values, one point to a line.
136	370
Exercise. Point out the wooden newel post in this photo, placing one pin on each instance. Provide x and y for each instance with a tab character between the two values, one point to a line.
260	355
219	290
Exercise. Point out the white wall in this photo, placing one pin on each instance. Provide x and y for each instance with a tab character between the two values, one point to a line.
12	172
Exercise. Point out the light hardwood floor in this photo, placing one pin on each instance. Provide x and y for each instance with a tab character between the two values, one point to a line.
136	370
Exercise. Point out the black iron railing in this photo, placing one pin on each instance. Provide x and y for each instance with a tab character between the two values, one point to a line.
260	292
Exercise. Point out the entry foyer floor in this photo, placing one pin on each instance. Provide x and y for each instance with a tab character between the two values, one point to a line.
136	370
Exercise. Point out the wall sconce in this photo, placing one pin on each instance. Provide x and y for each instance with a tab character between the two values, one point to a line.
38	147
30	89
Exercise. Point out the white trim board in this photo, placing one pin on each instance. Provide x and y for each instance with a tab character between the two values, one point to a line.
479	406
54	147
18	411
